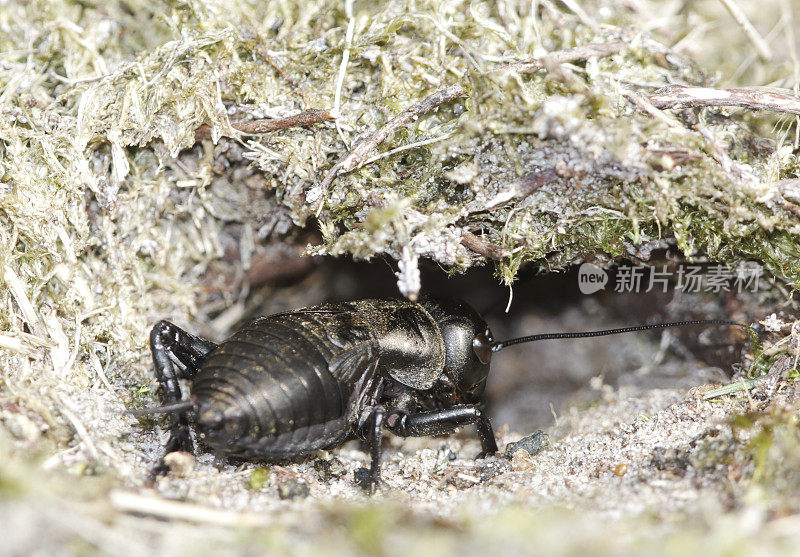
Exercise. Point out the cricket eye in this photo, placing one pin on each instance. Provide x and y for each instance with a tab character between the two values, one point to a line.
482	347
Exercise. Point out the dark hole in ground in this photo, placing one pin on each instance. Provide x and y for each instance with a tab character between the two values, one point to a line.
531	383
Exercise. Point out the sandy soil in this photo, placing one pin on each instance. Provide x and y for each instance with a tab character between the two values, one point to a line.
633	456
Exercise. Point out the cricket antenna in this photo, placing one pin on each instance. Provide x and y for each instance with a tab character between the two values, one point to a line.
500	344
175	408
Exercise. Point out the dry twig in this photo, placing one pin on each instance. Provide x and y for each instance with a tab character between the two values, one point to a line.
305	118
679	96
537	63
483	247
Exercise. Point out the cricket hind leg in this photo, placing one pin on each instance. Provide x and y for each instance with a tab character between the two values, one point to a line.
176	355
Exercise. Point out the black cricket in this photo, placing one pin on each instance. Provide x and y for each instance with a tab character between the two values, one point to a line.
289	384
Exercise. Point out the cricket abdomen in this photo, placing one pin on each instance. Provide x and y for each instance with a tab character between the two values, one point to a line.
268	391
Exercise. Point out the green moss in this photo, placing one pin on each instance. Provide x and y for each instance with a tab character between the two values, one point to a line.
368	527
774	451
12	480
259	478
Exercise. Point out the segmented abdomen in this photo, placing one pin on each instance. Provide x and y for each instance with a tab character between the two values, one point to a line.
273	380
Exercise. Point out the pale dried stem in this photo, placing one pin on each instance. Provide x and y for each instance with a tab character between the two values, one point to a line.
645	105
128	502
16	344
23	343
679	96
80	428
576	8
337	97
537	63
18	292
407	147
748	28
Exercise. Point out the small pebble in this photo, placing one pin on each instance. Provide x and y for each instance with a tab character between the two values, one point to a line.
522	461
670	459
180	463
492	468
361	476
292	489
329	469
22	427
259	478
533	444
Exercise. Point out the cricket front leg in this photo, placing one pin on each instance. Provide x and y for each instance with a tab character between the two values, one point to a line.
372	433
438	422
176	355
